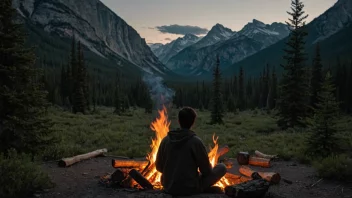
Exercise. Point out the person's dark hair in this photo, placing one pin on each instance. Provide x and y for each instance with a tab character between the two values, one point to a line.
186	117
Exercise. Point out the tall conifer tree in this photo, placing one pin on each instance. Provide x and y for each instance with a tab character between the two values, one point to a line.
22	99
217	112
272	98
79	104
293	94
241	97
317	78
323	141
118	100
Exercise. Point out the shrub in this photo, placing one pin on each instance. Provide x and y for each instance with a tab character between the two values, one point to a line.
20	177
334	167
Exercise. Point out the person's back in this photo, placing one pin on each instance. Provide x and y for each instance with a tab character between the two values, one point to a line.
180	155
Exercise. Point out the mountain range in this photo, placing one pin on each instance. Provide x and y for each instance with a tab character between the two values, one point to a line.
110	43
165	52
332	30
231	47
99	29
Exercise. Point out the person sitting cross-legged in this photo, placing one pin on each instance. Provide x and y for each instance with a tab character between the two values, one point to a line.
181	154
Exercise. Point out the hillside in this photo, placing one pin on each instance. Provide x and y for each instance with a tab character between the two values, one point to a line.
108	39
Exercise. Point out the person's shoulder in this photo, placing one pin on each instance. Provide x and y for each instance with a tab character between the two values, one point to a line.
165	139
197	139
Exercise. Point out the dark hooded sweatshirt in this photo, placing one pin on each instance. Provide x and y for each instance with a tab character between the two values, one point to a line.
180	155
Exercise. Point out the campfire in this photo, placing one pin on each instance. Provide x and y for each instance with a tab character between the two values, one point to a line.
142	174
147	169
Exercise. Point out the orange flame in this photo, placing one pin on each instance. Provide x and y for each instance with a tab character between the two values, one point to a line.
161	127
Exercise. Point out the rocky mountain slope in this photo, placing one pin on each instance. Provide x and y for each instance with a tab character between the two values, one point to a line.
165	52
235	46
332	29
96	26
155	46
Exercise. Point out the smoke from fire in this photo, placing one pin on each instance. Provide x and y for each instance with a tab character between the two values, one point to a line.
159	92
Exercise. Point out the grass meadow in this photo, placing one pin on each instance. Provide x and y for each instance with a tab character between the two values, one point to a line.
130	135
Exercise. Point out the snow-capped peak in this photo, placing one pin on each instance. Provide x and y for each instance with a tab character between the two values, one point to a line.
217	33
219	29
256	27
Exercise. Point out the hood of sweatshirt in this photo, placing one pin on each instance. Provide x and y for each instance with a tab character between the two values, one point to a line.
180	136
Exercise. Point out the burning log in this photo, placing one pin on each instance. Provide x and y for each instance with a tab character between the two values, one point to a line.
268	176
232	176
129	164
228	163
119	175
222	151
236	179
72	160
142	181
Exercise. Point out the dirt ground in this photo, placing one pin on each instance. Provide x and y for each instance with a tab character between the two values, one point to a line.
81	181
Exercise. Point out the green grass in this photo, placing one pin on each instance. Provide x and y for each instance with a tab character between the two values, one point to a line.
20	177
131	135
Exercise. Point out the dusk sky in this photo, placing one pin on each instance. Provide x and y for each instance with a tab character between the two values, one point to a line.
152	18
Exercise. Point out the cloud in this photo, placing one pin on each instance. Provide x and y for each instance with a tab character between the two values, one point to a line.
167	39
181	29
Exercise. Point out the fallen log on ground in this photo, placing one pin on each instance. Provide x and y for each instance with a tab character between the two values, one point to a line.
243	158
65	162
262	155
257	161
138	164
268	176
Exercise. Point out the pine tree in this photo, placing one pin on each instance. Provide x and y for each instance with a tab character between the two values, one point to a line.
317	78
323	141
293	94
349	86
217	103
23	125
241	99
273	90
73	70
94	91
85	79
118	97
266	81
231	106
149	105
79	104
249	93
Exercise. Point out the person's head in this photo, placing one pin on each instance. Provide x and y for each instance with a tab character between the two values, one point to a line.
186	117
